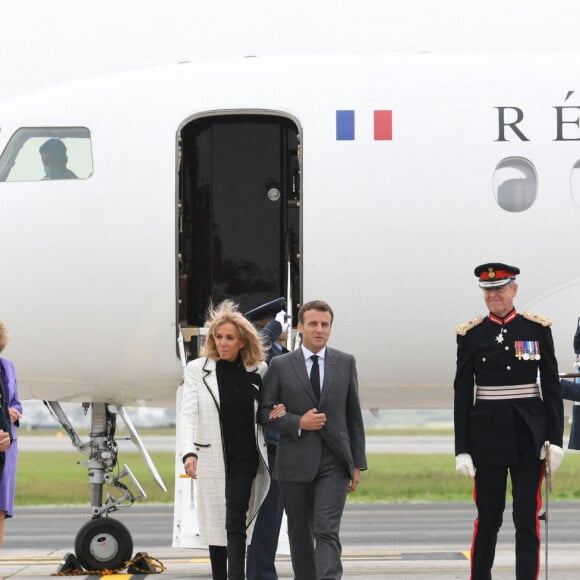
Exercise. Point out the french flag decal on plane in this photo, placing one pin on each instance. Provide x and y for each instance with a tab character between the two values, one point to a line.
383	125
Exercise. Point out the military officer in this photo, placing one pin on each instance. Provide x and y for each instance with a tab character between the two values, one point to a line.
271	321
508	404
571	392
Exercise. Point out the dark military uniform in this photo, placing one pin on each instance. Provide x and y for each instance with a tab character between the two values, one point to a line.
508	402
261	555
571	392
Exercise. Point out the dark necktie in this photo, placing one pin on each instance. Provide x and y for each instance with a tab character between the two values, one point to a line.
315	376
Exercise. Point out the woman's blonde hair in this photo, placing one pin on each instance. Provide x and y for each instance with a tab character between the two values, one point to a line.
4	336
227	311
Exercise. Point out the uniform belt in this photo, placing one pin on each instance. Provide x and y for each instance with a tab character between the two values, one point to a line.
507	392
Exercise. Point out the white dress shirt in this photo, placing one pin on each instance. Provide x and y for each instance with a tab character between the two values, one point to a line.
321	354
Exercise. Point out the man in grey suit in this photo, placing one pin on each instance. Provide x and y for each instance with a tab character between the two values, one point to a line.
322	442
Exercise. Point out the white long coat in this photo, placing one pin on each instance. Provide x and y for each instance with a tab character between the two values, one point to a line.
201	433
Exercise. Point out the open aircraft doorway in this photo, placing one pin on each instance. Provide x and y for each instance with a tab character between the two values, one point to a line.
239	215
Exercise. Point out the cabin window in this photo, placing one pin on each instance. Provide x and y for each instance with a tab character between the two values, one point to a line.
575	183
47	153
515	184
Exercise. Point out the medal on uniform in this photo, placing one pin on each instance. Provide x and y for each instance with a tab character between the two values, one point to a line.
499	337
527	349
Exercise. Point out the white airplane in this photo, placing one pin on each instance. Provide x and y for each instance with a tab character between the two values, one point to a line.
374	181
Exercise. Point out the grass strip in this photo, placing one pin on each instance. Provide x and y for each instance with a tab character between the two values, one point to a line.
55	478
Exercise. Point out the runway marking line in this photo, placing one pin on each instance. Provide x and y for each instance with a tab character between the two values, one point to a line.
29	560
389	555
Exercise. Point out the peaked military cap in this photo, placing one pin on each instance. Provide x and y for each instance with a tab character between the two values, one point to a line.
266	311
495	274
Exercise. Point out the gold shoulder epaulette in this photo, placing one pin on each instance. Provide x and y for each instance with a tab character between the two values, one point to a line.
543	320
464	328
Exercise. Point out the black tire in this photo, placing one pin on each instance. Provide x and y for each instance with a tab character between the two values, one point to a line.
103	544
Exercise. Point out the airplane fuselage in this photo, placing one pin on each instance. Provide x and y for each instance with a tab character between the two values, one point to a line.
400	173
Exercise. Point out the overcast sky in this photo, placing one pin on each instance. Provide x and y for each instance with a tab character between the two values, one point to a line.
45	42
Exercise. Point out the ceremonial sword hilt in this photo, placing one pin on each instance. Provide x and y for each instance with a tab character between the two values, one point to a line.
548	469
548	478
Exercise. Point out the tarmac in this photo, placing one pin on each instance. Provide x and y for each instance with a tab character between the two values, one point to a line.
429	563
396	541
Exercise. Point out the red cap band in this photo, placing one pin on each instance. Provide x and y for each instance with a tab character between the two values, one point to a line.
497	275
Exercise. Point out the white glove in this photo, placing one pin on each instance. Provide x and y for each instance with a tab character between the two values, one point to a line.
464	465
281	318
556	456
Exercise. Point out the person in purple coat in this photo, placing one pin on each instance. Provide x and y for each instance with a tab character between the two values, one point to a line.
8	479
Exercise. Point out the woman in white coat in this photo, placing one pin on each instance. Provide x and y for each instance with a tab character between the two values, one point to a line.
221	444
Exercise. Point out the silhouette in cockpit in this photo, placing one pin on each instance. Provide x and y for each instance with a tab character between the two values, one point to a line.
54	159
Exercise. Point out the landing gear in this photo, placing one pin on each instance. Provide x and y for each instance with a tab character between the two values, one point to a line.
103	544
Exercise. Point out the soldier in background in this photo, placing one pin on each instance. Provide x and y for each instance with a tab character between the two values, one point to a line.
272	322
577	344
503	418
571	392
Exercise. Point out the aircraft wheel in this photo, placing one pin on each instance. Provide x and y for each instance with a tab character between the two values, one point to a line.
103	543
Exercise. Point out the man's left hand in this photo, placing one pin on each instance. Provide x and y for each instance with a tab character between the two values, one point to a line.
355	480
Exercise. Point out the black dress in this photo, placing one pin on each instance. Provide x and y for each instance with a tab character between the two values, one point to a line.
238	389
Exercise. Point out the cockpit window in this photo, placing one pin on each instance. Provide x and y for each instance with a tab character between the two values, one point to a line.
42	153
515	184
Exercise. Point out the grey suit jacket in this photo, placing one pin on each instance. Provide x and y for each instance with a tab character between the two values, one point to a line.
286	381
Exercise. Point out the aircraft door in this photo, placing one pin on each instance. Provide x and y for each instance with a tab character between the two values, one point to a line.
239	190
